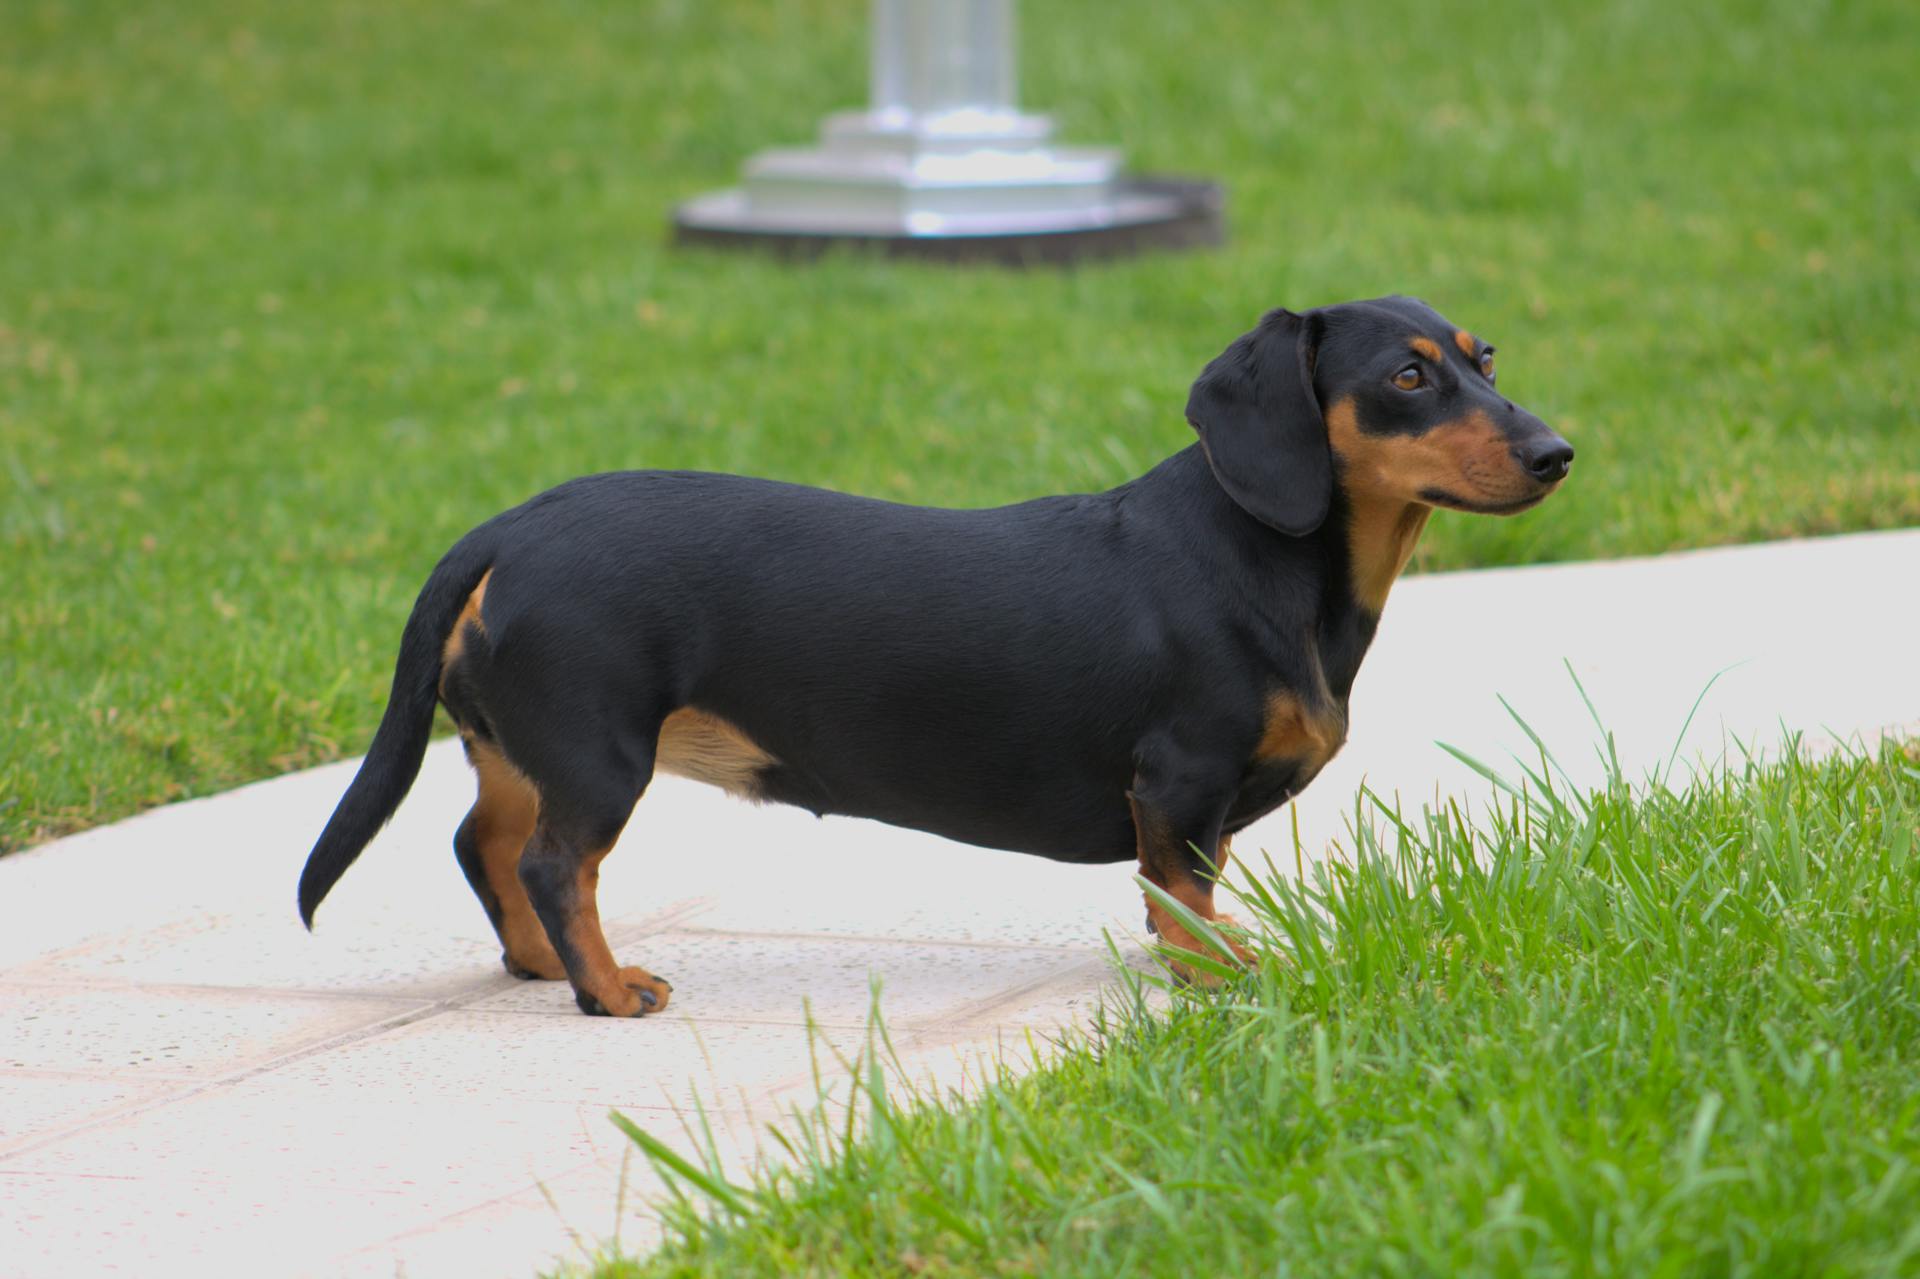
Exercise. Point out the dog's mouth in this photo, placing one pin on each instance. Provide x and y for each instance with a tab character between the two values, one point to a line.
1454	502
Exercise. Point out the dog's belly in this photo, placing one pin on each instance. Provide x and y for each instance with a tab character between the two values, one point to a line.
1052	815
1060	821
1033	801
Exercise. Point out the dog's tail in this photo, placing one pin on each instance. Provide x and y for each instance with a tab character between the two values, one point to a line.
393	761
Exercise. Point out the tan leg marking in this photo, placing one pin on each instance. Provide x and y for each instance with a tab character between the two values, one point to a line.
504	814
1163	863
618	990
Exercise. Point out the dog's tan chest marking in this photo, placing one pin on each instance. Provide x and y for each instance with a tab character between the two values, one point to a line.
707	748
1294	732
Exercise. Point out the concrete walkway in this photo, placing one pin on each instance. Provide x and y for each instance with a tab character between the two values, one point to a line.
189	1083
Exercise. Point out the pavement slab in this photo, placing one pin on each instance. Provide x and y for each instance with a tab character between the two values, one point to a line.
191	1083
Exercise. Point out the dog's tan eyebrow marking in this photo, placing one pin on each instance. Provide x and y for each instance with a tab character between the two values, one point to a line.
1426	347
1464	340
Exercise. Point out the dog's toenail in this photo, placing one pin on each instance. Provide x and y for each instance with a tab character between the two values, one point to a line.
648	998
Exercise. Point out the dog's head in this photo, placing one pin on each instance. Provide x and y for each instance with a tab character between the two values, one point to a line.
1385	397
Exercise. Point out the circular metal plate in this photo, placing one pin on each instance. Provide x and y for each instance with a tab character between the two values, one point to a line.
1146	213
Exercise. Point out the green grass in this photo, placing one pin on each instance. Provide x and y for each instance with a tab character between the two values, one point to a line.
293	294
1668	1035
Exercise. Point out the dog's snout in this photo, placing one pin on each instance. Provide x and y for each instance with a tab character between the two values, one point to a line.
1546	457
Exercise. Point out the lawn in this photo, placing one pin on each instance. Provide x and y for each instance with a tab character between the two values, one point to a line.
1671	1035
291	295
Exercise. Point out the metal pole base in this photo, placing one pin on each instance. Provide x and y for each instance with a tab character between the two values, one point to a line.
1140	214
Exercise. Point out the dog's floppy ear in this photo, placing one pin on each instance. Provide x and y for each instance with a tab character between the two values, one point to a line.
1260	424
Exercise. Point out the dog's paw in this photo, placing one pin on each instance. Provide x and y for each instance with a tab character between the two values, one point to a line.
654	991
641	994
1239	956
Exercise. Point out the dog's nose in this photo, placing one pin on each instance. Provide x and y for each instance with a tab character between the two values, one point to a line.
1546	457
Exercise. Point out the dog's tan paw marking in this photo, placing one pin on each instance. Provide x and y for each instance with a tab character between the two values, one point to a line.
640	994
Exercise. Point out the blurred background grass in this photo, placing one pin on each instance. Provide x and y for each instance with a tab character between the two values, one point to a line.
292	295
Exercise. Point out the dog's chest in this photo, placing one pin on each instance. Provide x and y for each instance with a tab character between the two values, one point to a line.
1298	736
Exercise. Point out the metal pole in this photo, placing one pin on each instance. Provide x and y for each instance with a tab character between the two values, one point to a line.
936	56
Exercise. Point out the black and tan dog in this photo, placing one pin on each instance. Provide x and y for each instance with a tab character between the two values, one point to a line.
1094	678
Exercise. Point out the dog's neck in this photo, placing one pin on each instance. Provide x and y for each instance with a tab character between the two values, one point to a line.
1314	598
1360	550
1381	533
1352	561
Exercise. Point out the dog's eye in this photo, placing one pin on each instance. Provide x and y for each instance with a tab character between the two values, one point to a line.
1409	378
1486	363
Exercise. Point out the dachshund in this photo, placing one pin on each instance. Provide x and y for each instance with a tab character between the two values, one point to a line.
1128	675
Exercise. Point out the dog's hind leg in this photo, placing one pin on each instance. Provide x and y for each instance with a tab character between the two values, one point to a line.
561	871
488	844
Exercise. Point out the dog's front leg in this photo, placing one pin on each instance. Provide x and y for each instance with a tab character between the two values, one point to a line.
1177	818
